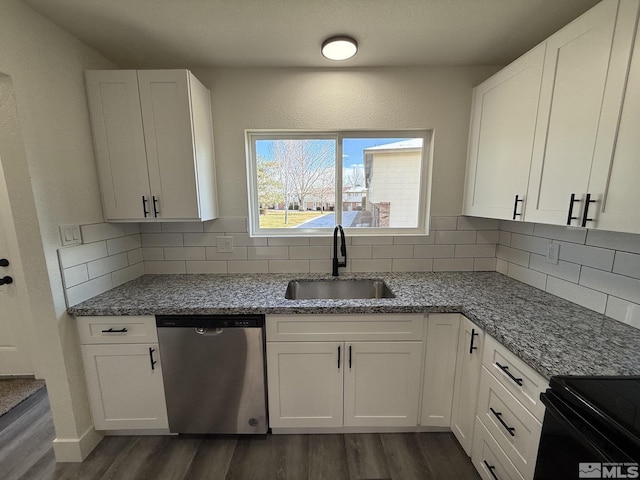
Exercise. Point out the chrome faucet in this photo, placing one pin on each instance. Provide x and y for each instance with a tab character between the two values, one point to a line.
343	250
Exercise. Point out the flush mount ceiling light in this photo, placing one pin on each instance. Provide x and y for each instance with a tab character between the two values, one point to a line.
339	48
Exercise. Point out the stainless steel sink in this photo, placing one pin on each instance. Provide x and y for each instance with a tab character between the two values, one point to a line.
337	289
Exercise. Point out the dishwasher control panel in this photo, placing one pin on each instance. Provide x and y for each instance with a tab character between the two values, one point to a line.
210	321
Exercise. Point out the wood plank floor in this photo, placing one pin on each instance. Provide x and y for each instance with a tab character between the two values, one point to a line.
26	433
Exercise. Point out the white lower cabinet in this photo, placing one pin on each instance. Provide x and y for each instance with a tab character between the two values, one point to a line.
340	382
489	459
465	393
124	379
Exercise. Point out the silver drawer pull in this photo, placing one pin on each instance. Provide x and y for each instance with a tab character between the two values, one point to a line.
498	415
505	369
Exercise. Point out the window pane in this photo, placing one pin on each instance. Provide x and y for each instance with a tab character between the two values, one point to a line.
381	182
296	182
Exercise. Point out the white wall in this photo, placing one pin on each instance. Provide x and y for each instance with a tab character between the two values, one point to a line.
51	181
381	98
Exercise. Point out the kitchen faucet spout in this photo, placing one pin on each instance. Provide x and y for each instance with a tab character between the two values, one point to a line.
343	250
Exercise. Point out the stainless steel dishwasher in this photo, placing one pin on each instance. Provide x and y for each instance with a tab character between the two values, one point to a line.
214	372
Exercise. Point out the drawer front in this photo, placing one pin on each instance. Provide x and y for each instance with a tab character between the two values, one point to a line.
519	378
515	429
95	330
388	327
489	459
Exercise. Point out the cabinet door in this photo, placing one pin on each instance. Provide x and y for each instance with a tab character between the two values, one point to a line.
575	76
125	390
439	369
116	120
501	135
614	177
465	393
304	381
381	384
165	100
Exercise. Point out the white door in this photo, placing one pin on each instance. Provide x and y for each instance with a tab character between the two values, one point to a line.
503	124
382	384
125	390
168	131
304	380
575	76
15	358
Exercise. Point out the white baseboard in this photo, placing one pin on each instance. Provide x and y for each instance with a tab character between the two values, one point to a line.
76	449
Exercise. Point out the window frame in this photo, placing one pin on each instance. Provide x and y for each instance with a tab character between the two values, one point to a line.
424	195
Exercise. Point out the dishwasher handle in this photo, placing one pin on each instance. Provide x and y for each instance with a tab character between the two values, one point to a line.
209	332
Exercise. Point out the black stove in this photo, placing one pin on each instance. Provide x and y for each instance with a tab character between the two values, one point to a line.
591	428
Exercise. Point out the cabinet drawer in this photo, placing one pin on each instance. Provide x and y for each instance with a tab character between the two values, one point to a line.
515	429
117	329
285	328
519	378
489	459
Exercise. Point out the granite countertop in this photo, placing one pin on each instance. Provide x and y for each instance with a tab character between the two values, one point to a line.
552	335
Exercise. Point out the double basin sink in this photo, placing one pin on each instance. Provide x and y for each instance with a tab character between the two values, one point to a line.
337	289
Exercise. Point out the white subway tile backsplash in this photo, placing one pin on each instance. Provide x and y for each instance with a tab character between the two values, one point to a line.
453	264
162	239
525	275
95	232
123	244
414	240
239	253
130	228
484	264
310	253
623	311
565	270
516	227
152	253
201	239
198	267
626	242
476	251
321	266
476	223
360	251
135	256
182	227
488	236
77	254
513	255
227	225
372	240
184	253
127	274
288	241
84	291
591	299
560	232
627	264
434	251
371	265
505	238
393	251
268	253
105	265
443	223
502	266
162	267
248	266
619	286
529	243
75	275
455	237
288	266
327	241
150	227
412	265
600	258
244	240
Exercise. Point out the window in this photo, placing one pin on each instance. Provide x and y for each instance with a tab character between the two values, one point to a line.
305	183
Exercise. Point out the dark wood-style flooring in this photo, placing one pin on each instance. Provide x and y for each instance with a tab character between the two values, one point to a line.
26	433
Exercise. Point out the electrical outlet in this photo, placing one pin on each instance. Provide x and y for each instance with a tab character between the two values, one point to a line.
225	244
70	235
553	253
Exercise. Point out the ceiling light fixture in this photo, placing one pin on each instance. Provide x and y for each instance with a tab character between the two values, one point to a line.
339	48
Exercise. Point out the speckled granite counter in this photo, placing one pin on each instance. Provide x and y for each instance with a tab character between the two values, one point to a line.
553	336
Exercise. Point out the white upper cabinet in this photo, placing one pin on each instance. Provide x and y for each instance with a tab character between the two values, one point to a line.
153	139
583	81
503	123
615	173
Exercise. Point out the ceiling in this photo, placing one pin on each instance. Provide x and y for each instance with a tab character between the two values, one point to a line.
288	33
